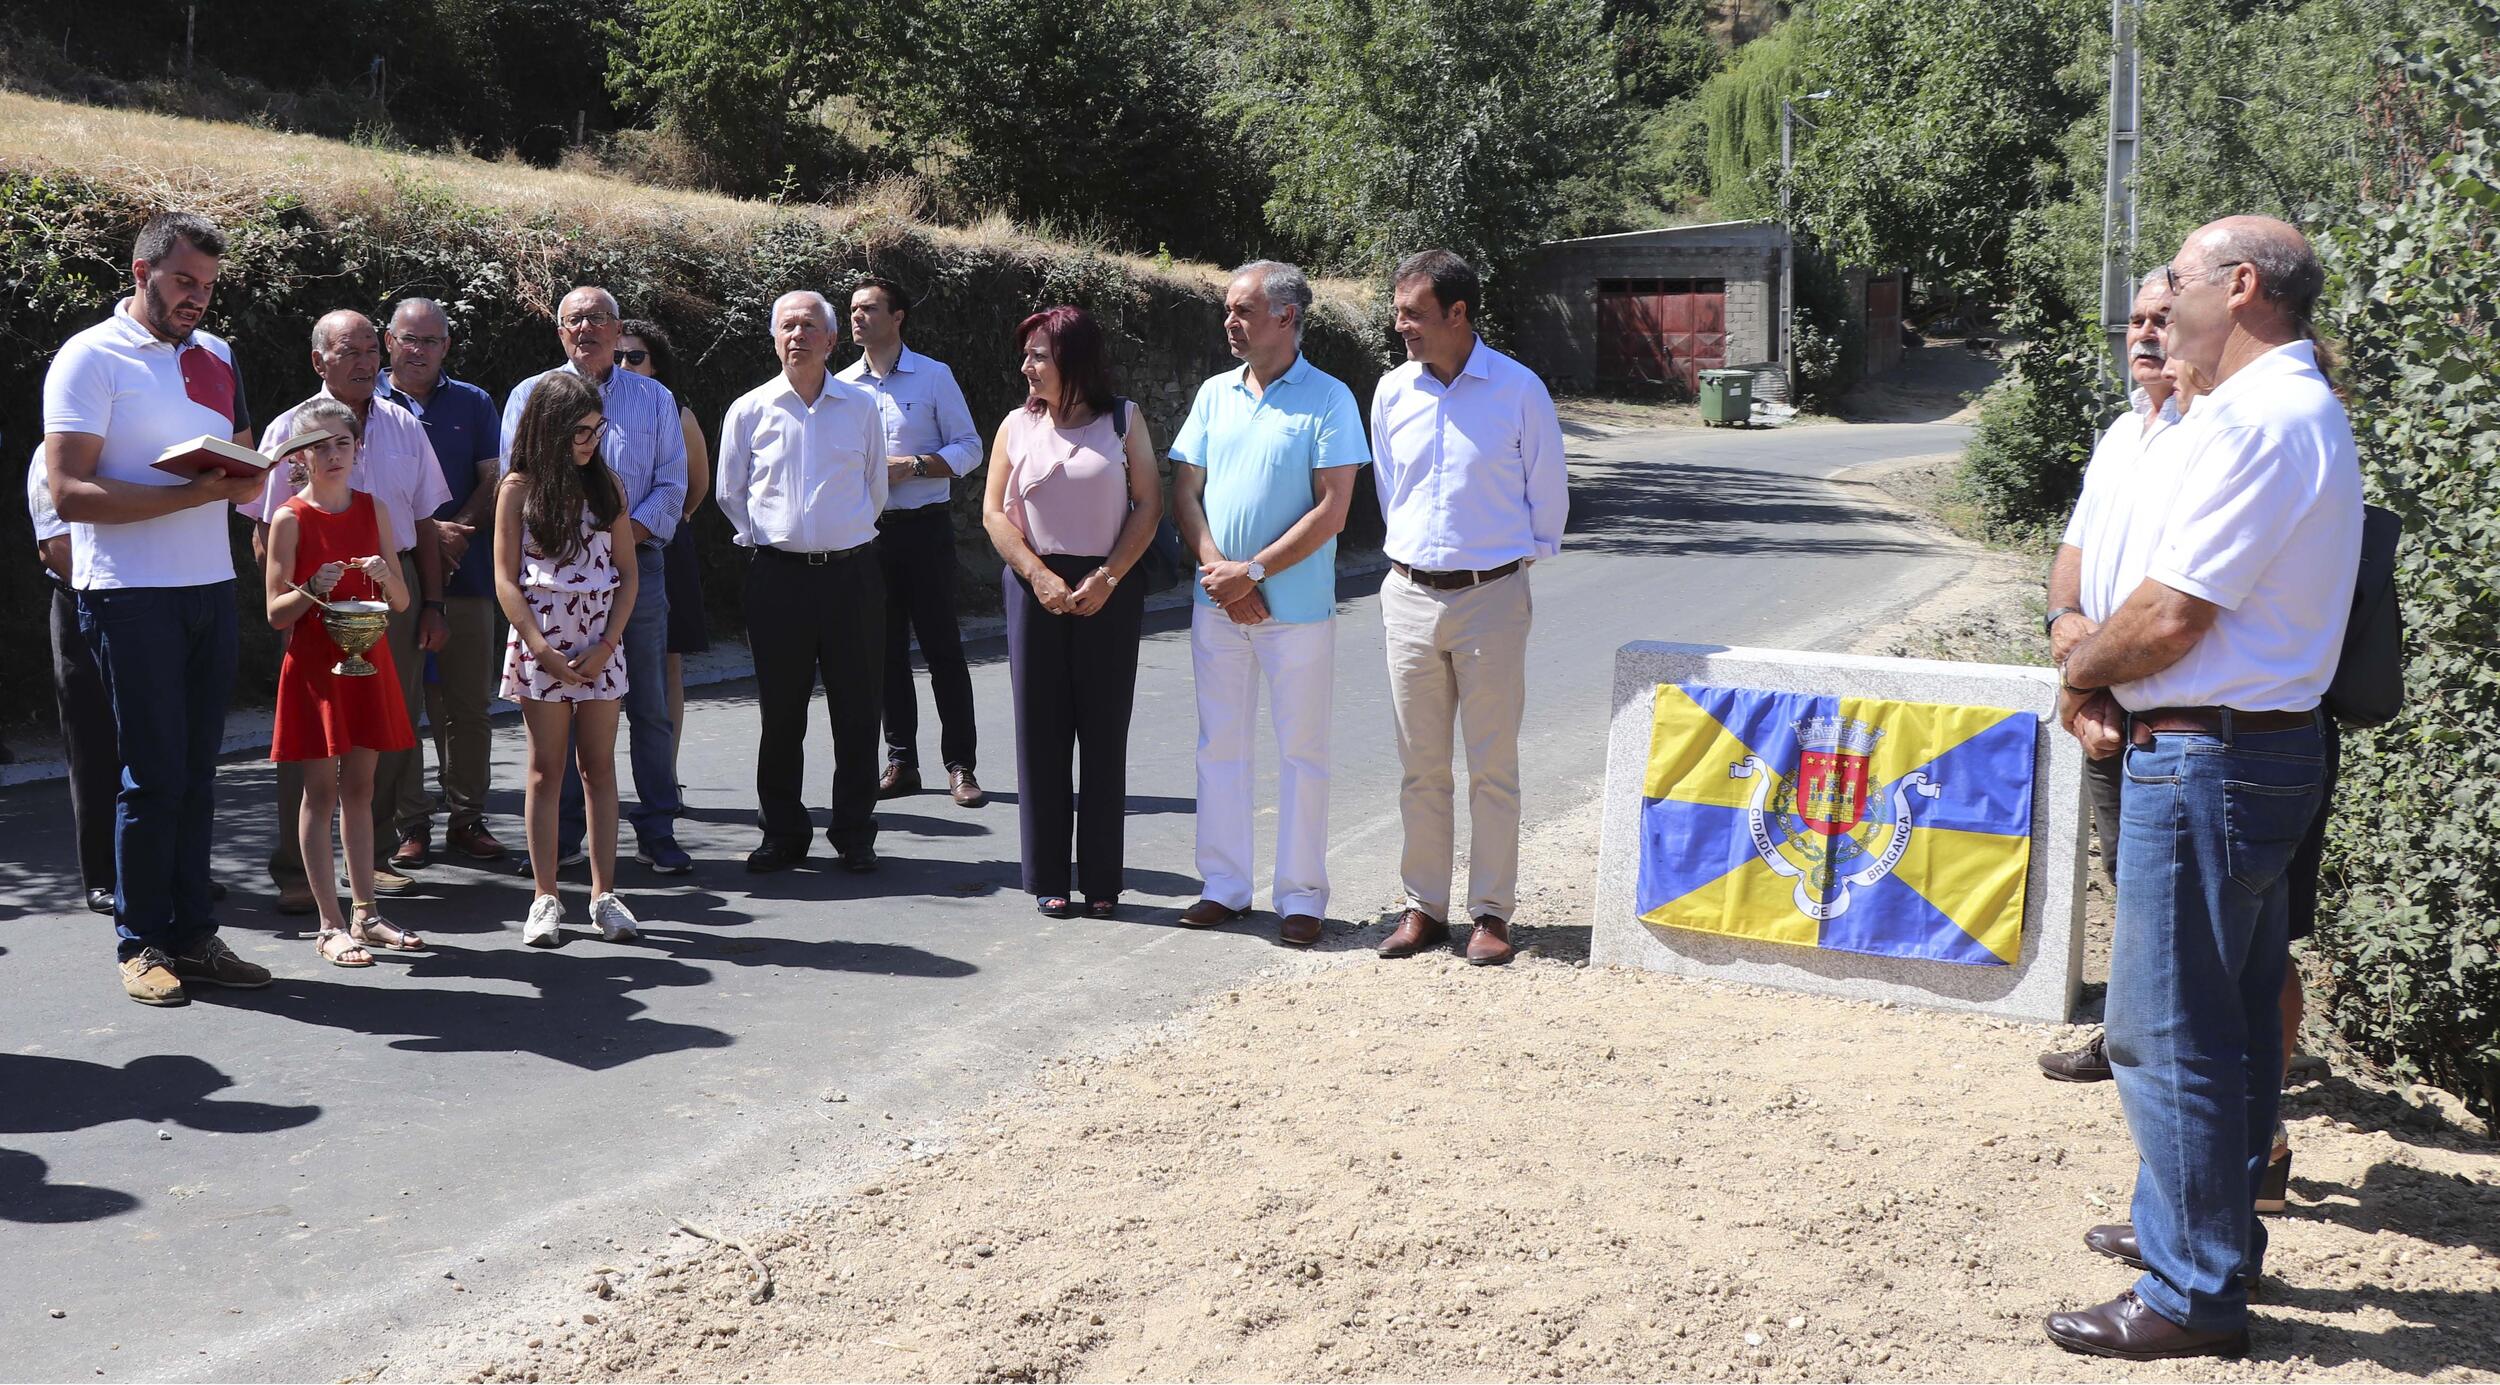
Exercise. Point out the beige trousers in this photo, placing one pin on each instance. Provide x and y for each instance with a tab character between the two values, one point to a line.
465	671
1458	660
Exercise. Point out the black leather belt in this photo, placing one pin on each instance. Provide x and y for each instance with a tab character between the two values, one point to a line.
814	559
1454	581
2211	721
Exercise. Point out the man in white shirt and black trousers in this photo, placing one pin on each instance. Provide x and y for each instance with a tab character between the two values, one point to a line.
802	477
1468	458
929	441
2208	679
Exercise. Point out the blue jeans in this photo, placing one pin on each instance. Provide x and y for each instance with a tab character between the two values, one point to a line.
2208	826
168	657
650	738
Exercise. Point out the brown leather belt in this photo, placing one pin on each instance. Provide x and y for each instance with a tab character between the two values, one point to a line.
1453	581
2211	721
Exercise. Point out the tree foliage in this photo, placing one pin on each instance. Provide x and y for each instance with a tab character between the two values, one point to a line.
1740	110
1943	122
1391	125
1093	116
2412	880
741	79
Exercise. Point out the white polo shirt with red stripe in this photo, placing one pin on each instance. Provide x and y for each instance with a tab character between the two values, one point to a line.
118	381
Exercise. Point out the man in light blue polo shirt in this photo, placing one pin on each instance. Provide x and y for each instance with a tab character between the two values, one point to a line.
1268	457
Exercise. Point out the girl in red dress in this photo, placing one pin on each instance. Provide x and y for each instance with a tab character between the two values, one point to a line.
328	540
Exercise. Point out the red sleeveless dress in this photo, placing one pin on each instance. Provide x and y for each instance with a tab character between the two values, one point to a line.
320	713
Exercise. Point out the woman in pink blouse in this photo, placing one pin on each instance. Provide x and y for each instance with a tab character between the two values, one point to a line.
1072	502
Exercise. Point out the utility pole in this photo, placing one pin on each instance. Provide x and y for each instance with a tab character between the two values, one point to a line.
2118	221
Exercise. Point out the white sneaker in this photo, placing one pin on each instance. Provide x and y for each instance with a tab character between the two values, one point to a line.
616	922
545	925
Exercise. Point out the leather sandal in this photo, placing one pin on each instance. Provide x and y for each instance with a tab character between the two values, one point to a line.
340	949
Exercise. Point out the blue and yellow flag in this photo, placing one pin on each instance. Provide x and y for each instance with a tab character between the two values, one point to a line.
1901	829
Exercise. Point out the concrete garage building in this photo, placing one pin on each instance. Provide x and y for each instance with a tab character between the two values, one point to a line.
1648	311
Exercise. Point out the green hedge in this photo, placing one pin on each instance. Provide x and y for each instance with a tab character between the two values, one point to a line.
2412	936
64	250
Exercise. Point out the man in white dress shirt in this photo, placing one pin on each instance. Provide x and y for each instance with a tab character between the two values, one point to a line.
2105	523
1468	459
2219	656
802	477
929	441
395	464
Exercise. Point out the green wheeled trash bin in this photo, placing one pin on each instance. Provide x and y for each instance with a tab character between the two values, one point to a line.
1726	396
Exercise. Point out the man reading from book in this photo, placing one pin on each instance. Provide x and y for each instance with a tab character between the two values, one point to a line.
150	559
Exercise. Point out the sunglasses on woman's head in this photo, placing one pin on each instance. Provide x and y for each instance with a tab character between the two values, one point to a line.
632	357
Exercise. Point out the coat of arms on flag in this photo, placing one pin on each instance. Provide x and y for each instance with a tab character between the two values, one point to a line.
1900	829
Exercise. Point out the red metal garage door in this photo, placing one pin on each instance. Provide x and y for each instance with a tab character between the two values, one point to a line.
1660	334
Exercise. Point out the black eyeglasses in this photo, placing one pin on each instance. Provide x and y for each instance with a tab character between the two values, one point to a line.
2171	274
584	432
632	357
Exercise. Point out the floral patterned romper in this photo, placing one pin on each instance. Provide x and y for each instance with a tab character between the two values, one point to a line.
570	600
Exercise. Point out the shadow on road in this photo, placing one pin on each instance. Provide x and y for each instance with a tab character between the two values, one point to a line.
1665	509
583	1015
49	1095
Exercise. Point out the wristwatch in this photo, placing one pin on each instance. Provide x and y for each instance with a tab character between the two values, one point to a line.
2049	626
1257	570
920	464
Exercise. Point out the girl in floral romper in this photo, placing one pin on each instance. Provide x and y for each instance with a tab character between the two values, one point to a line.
560	521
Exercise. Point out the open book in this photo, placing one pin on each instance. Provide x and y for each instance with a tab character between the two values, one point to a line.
205	453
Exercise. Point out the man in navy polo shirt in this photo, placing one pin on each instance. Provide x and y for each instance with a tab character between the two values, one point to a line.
153	564
461	421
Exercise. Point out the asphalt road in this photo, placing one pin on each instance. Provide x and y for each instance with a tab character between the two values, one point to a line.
277	1184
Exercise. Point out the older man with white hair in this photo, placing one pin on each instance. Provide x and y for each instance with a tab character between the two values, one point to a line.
645	445
1267	461
2219	656
802	478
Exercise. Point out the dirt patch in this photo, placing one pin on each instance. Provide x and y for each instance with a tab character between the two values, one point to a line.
1939	381
1359	1170
1421	1170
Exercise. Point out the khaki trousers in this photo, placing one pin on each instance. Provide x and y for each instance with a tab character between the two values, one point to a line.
397	778
465	669
1458	660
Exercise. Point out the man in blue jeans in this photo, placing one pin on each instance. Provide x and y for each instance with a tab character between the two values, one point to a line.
645	446
151	562
2208	678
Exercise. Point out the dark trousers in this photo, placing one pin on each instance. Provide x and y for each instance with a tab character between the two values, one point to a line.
168	658
806	623
649	733
95	762
1074	681
916	551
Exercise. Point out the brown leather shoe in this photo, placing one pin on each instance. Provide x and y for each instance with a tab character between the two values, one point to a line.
1489	945
1298	930
964	789
1206	913
2089	1063
899	779
415	853
1416	931
474	842
2117	1241
296	897
2128	1330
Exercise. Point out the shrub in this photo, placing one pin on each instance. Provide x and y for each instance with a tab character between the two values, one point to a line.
707	269
2411	924
2036	427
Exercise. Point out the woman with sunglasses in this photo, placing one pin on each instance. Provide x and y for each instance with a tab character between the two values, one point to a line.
644	349
560	522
